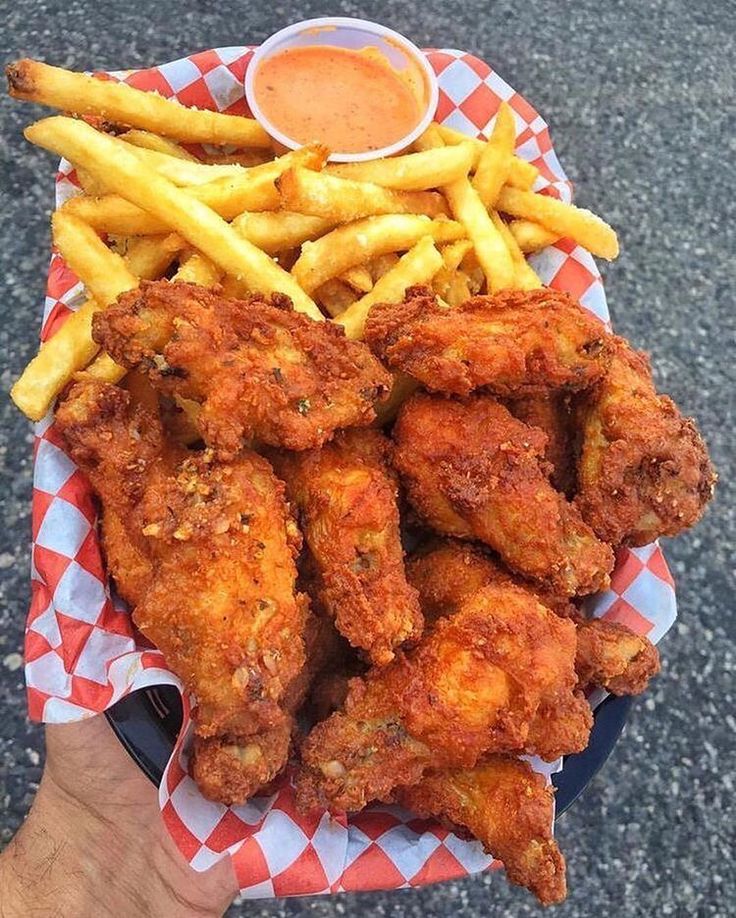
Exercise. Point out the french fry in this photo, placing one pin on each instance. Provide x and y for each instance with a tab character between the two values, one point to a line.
343	200
452	256
526	277
458	290
149	141
382	265
467	208
204	229
335	296
404	386
418	266
530	236
362	240
274	231
584	227
72	347
249	158
196	269
88	184
229	197
522	174
183	172
33	81
494	165
102	271
359	278
414	171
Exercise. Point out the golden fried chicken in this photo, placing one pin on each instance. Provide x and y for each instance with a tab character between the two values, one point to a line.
472	686
205	550
508	808
644	470
550	412
260	370
609	655
517	342
471	470
346	494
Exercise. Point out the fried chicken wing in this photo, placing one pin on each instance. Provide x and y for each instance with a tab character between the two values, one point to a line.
471	470
609	655
211	565
472	686
517	342
508	808
346	493
550	412
259	369
644	470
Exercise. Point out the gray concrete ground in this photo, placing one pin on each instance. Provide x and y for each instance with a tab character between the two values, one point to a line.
640	100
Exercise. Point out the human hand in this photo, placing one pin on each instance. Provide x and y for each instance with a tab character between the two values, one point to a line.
94	843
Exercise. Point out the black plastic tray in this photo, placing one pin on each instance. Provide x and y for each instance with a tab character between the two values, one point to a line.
147	723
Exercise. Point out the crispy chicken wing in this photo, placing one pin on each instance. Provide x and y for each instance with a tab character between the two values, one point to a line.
473	471
259	369
471	687
550	412
508	808
346	493
518	342
210	566
609	655
644	470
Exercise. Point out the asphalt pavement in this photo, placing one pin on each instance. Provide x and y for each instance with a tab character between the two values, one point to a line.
639	97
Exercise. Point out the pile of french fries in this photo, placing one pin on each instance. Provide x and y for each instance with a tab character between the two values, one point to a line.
456	213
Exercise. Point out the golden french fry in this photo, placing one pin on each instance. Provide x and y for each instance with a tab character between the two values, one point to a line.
359	278
196	269
33	81
150	141
204	229
382	265
102	271
274	231
584	227
182	171
88	184
229	197
522	174
494	165
418	266
255	157
467	207
72	347
362	240
335	296
458	290
343	200
452	256
414	171
526	277
530	236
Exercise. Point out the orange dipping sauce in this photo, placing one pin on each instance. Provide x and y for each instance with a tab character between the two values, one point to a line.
352	101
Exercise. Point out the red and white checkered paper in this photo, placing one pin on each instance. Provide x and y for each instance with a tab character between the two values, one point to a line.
82	654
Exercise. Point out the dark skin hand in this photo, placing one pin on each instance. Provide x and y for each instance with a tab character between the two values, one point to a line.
94	843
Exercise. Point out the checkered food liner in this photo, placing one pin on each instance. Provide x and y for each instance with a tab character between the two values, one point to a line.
82	654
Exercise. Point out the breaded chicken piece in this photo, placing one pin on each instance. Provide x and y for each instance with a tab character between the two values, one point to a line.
346	495
445	572
471	687
220	601
508	808
471	470
259	370
517	342
609	655
231	769
550	412
644	470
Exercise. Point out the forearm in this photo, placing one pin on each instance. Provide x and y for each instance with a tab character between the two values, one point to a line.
69	860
